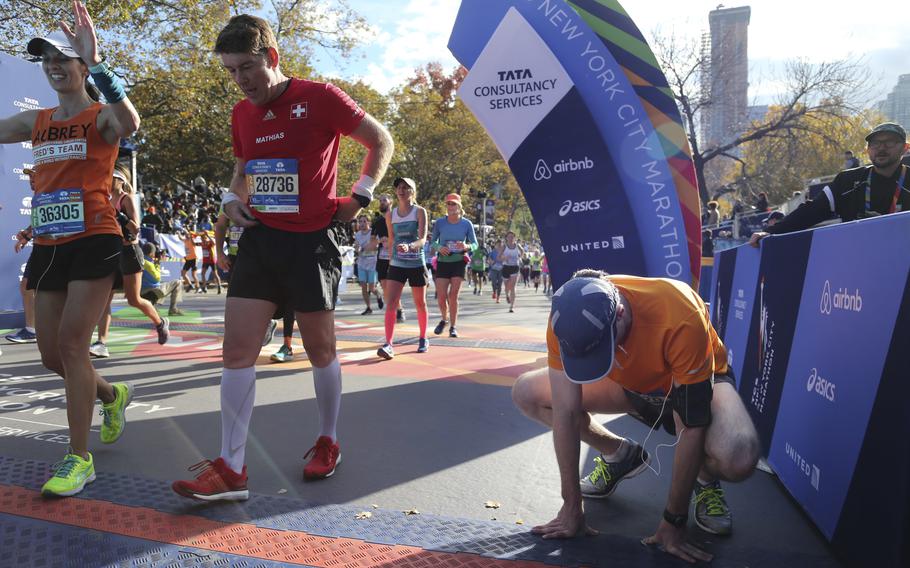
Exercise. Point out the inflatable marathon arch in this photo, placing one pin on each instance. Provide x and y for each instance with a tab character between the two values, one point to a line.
574	100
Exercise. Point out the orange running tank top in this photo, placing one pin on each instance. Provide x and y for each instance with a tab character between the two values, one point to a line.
73	155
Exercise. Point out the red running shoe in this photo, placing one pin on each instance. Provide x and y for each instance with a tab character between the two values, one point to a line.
326	457
216	482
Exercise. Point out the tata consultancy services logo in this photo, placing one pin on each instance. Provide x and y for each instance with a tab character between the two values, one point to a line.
825	304
542	171
578	206
820	385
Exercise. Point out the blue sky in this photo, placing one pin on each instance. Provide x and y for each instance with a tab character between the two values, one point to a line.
409	33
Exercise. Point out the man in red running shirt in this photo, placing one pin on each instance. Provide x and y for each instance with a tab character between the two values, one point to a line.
286	136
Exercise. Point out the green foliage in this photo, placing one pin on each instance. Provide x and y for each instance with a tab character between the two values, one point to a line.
444	149
163	50
781	164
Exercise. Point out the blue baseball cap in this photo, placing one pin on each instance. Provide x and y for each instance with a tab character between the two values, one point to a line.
583	317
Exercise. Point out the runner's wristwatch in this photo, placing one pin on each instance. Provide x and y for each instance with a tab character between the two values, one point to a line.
677	521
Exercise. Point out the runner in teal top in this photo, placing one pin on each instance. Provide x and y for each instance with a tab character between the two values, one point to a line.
454	240
407	229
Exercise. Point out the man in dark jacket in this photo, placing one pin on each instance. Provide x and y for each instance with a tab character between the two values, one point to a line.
876	189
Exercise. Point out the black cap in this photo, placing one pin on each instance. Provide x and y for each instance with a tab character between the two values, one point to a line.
892	127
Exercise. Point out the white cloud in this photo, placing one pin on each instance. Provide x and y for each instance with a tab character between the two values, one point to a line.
407	34
418	36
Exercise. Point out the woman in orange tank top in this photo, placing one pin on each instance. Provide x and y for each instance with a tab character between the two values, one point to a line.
78	239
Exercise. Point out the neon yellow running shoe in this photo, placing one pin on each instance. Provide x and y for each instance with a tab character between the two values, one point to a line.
70	476
114	413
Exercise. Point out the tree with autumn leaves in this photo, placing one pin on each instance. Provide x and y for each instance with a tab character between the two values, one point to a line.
163	50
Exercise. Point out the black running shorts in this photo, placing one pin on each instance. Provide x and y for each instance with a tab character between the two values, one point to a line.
288	269
647	407
27	271
382	268
450	269
509	271
189	265
132	259
416	276
53	267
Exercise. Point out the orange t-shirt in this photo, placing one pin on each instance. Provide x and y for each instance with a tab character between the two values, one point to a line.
72	154
671	337
190	245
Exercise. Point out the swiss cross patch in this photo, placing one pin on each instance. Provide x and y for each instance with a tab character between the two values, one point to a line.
299	110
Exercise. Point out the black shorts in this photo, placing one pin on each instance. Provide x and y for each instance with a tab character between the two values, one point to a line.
450	269
53	267
27	271
416	276
300	270
132	259
535	274
189	264
382	268
509	271
647	407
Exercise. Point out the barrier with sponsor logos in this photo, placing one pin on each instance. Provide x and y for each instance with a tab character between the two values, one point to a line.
25	89
605	187
817	326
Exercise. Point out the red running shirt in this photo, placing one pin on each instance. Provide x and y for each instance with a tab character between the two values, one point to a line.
306	124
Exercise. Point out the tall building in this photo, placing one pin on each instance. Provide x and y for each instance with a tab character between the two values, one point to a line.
725	79
897	106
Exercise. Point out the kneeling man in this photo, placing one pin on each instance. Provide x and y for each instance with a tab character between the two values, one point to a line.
645	347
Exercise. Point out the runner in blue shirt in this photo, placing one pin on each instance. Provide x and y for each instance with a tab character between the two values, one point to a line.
454	239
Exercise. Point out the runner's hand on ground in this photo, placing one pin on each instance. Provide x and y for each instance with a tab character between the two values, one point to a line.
567	524
672	540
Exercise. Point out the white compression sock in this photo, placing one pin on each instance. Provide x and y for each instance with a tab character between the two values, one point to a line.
238	393
327	383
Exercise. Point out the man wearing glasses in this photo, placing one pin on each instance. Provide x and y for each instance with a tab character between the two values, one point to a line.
877	189
644	347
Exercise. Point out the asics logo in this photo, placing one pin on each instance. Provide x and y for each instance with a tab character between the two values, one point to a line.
820	385
578	206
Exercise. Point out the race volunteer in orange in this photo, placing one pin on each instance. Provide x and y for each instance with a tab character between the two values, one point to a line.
645	347
286	136
77	237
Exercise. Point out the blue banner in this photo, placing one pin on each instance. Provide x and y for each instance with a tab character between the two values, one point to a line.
740	307
773	322
576	136
843	331
24	87
721	283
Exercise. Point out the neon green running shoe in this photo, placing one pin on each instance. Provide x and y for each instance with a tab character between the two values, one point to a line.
70	476
114	413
